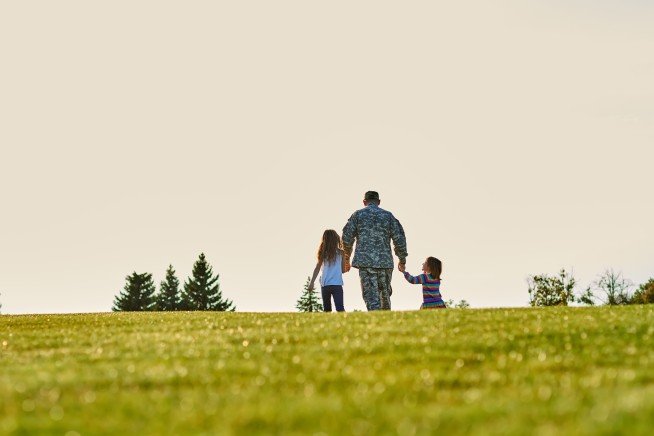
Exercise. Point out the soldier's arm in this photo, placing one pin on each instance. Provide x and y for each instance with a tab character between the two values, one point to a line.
399	240
349	235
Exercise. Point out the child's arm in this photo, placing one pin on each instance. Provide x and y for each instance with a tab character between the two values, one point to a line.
315	274
417	280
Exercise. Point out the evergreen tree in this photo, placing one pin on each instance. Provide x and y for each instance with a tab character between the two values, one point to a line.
137	295
169	298
202	290
308	302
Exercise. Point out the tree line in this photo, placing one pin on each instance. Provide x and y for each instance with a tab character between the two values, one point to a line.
201	291
610	288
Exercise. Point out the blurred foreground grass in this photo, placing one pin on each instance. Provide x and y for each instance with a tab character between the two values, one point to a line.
481	371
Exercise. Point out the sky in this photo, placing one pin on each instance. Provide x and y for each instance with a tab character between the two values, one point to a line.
510	138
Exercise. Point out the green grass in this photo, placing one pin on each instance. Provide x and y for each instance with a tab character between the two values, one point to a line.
479	372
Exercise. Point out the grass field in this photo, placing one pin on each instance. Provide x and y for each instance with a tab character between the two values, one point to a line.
455	371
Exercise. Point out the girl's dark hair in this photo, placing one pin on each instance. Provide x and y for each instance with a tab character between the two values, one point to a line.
435	267
330	246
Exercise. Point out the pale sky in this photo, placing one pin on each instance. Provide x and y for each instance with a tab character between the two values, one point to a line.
510	138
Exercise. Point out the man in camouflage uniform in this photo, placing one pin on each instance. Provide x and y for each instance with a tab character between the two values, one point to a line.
373	228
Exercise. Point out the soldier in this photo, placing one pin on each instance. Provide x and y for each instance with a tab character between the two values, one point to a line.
373	228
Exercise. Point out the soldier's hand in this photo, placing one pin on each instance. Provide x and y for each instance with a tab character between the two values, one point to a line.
346	264
401	267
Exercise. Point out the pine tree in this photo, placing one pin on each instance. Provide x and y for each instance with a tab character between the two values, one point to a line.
202	290
308	302
137	295
169	298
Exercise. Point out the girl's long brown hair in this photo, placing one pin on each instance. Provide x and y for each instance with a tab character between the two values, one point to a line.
330	246
435	267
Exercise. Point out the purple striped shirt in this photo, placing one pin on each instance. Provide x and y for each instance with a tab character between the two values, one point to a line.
431	295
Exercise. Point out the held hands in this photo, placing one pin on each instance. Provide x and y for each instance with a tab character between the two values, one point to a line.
401	267
345	267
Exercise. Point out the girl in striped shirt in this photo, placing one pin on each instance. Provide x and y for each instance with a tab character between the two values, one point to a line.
430	281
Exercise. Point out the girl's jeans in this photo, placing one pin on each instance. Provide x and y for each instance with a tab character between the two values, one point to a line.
330	291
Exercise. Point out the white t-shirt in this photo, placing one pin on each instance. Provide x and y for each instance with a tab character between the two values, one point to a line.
332	273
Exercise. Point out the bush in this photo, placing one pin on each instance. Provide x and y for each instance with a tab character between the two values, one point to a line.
546	290
645	293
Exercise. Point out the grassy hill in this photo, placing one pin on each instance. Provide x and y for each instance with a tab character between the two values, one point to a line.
481	371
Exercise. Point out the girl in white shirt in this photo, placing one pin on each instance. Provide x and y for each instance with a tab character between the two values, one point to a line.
331	261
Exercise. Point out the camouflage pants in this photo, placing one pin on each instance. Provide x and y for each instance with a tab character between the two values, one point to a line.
376	287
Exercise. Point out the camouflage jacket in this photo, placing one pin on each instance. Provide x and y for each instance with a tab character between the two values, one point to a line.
373	228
